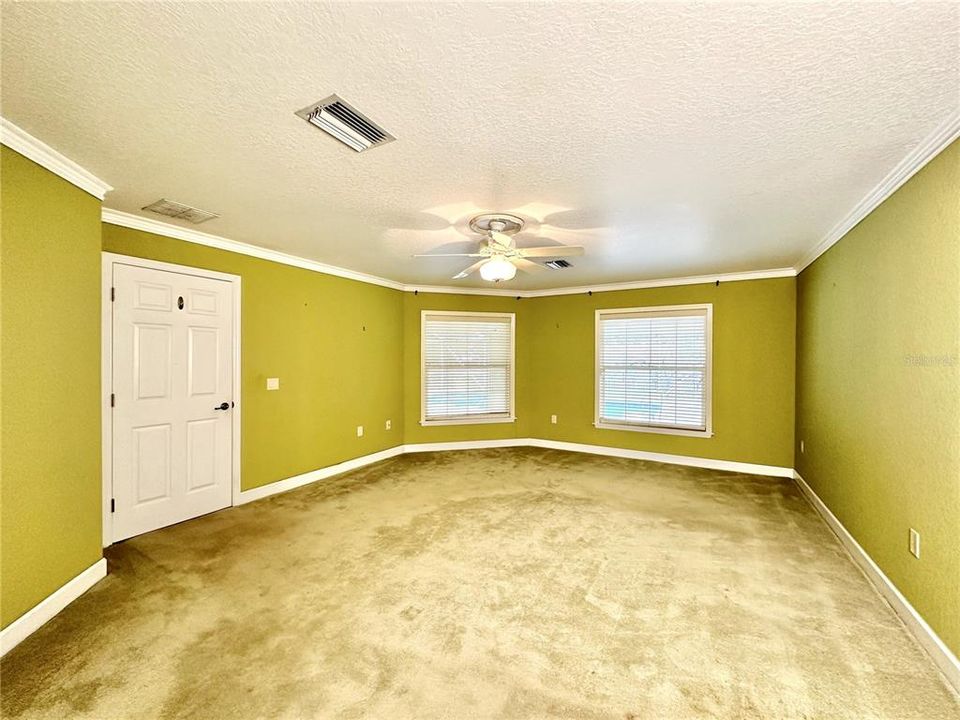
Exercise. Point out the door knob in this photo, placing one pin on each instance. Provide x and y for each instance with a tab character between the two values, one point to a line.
223	406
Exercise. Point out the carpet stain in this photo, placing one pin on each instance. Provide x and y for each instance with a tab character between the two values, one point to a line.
507	583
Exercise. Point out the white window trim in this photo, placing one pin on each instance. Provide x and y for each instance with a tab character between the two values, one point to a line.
708	374
513	371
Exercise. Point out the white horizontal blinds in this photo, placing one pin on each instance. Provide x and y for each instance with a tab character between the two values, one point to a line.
467	366
653	368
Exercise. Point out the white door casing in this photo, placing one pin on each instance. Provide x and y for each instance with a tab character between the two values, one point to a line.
172	452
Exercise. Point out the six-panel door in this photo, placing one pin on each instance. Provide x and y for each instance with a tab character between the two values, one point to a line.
172	371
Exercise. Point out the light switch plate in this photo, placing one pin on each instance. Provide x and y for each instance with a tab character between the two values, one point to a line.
359	430
273	383
388	424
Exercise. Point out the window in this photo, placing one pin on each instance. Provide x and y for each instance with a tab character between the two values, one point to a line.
653	369
466	367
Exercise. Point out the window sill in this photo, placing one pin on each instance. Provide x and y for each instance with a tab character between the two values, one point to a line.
468	421
708	433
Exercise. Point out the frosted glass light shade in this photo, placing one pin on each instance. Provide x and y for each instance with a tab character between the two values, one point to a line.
497	269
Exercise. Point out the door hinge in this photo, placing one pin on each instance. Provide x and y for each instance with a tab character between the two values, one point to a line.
113	505
113	294
113	400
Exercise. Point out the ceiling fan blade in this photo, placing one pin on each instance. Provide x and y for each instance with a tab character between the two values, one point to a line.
552	251
501	238
472	269
451	255
527	265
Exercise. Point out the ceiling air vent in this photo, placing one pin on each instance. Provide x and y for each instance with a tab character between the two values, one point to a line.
557	264
351	127
180	211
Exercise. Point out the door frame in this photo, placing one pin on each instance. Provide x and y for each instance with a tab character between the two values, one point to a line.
106	372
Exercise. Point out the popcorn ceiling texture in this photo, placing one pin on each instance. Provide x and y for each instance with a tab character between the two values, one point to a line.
669	139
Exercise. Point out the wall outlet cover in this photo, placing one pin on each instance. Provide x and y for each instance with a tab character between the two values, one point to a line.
273	383
387	425
553	419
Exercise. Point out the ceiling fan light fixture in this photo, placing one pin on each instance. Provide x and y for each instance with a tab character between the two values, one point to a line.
498	269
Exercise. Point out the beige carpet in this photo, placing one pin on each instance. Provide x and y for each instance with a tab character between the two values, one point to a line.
487	584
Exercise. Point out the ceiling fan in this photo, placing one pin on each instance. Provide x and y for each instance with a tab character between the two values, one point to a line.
500	256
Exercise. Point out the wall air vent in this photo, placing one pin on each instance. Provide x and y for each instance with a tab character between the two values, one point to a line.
180	211
558	264
351	127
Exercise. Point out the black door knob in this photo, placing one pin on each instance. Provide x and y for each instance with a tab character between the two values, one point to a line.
223	406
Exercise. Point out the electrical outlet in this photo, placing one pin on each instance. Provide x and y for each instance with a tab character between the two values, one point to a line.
553	419
915	543
273	383
359	430
387	425
801	447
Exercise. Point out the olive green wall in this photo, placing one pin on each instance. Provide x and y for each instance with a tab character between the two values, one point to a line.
878	387
334	343
872	329
754	333
753	370
412	307
50	380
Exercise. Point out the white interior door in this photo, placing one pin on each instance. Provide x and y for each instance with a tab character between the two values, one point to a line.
172	386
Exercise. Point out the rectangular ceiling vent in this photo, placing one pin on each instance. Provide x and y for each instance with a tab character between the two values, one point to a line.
180	211
347	124
558	264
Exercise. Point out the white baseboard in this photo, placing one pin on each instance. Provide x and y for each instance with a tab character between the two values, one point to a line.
296	481
314	475
322	473
708	463
467	445
17	631
944	659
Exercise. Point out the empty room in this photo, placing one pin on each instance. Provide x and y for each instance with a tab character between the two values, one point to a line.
469	360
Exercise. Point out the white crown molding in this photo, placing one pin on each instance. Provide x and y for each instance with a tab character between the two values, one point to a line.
929	148
45	156
32	620
932	145
21	141
941	655
664	282
454	290
136	222
157	227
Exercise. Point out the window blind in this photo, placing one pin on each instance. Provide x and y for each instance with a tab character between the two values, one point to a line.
467	367
653	368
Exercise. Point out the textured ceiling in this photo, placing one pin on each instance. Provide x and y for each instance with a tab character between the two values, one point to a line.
669	139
